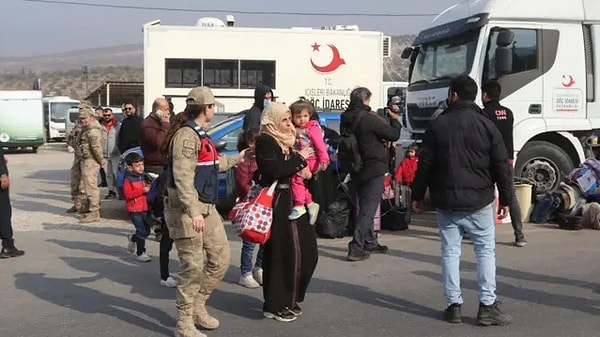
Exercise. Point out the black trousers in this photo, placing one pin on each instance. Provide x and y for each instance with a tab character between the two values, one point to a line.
166	244
103	181
369	196
6	232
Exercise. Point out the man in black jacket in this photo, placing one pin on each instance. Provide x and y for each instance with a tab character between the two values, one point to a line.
129	134
503	118
263	96
461	159
372	133
6	231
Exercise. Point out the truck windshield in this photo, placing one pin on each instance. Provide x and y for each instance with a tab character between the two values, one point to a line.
445	58
59	110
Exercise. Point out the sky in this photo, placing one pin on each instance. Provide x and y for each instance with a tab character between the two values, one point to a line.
30	29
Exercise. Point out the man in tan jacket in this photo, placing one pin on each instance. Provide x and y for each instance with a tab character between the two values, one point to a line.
90	149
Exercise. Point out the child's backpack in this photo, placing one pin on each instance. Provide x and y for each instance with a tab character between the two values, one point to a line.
156	193
348	153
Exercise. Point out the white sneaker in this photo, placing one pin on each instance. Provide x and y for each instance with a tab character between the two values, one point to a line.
169	282
257	273
248	281
130	244
144	258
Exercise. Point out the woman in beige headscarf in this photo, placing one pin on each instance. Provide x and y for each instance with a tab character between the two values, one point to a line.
290	256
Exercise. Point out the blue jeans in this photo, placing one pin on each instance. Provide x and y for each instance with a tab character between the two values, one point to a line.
481	227
246	259
142	230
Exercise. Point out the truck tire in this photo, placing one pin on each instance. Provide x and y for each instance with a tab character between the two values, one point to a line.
543	163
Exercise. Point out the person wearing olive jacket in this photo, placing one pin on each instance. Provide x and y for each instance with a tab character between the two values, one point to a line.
191	215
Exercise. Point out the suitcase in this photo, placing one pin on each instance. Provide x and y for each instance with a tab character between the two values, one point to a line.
396	212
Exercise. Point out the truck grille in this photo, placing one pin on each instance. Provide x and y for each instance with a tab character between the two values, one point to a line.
419	117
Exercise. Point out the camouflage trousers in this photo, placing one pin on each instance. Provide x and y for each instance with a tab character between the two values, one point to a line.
77	195
89	183
198	278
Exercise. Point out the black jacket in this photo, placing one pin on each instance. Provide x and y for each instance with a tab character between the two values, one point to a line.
3	167
252	118
371	134
504	120
129	134
461	158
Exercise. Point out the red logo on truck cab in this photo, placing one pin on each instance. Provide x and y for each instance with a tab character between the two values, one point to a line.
336	60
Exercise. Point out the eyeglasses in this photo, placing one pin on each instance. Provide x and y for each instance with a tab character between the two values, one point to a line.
127	109
107	115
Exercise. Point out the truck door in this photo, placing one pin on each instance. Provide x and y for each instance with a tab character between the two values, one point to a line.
520	44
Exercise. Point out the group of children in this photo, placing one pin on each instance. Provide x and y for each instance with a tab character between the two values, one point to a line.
144	203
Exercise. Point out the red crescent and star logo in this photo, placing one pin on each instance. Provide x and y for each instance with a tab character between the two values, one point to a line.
336	60
568	81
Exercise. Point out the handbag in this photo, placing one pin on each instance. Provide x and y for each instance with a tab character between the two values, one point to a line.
252	219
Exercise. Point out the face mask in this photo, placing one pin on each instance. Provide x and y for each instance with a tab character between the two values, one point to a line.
266	103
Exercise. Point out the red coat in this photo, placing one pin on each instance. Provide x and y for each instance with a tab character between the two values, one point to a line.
243	174
133	189
406	171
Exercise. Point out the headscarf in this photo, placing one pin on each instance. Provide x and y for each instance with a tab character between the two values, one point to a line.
270	124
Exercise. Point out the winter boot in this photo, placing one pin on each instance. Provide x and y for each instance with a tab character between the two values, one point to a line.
201	316
185	326
85	207
91	217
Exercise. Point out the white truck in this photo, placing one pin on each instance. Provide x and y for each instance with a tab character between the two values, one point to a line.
323	65
546	56
21	119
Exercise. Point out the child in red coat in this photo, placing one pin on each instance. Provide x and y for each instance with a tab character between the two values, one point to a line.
406	171
136	204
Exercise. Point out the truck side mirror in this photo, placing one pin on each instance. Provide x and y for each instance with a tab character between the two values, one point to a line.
503	56
406	53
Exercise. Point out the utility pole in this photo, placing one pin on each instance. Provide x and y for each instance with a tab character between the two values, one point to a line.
85	74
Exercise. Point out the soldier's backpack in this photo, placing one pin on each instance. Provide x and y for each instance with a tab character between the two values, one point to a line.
348	153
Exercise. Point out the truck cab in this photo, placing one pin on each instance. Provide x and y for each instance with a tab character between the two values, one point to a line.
543	55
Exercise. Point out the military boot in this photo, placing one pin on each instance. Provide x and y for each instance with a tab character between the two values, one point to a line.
185	326
73	209
85	207
76	208
91	217
201	316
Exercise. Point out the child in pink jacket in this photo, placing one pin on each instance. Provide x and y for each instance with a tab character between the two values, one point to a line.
308	133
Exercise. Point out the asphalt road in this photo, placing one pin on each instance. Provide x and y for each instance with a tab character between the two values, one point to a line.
78	280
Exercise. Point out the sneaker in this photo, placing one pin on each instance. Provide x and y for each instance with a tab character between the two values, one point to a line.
361	256
379	249
248	281
257	273
313	213
521	242
6	253
130	244
492	315
110	195
283	315
169	282
452	314
296	310
144	258
297	212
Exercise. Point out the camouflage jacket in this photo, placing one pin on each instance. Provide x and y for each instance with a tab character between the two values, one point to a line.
90	142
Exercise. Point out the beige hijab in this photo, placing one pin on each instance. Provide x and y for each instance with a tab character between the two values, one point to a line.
270	123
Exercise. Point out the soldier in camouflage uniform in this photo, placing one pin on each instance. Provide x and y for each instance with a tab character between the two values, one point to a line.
191	214
80	203
90	149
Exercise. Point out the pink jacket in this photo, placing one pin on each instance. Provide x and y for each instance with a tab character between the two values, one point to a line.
312	134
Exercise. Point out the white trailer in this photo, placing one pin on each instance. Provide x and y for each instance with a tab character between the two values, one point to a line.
544	53
21	119
323	65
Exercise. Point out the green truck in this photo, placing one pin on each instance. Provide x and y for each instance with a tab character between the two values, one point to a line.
21	119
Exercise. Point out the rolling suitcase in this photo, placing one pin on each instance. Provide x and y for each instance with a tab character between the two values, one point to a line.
396	211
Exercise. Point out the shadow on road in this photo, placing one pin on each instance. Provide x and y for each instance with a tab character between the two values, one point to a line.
70	294
54	176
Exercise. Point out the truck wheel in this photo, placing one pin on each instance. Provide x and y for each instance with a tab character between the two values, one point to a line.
543	163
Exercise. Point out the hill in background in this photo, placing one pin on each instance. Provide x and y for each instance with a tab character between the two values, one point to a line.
61	74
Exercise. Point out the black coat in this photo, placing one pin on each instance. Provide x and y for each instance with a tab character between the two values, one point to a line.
503	118
461	158
129	133
3	166
371	134
252	118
